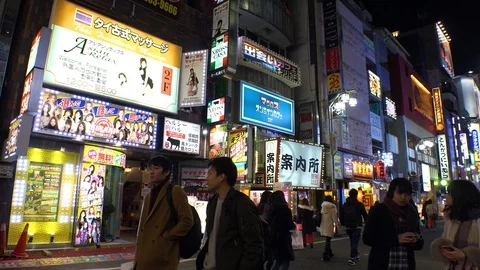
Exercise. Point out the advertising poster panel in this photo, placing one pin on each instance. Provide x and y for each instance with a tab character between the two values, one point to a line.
218	141
181	136
92	53
193	79
67	115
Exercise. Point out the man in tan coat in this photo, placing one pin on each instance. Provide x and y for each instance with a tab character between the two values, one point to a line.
157	243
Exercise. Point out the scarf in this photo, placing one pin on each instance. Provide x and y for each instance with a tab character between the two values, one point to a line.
403	219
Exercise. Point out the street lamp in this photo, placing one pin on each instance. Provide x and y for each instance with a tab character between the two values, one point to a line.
338	105
422	145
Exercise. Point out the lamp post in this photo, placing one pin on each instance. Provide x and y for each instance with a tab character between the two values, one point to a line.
423	144
338	105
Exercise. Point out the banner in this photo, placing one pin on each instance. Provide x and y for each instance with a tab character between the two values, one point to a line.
181	136
92	53
443	157
66	115
218	141
438	107
271	161
216	110
266	109
237	145
104	156
88	225
193	79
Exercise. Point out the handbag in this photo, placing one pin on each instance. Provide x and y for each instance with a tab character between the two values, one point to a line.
297	239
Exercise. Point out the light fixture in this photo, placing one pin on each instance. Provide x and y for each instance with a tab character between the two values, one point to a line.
353	102
472	167
340	106
127	170
205	132
428	144
470	72
421	147
443	182
344	98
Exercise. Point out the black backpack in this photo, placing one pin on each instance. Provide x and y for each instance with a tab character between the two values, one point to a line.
350	215
190	243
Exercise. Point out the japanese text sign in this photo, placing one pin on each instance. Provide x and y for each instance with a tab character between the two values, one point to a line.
375	87
271	161
93	53
266	109
438	108
194	173
237	145
390	108
104	156
257	57
362	169
443	157
334	82
66	115
181	136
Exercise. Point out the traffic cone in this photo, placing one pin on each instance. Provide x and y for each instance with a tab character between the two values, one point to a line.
19	250
3	239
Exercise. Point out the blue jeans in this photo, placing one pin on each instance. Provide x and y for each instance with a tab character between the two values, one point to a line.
354	235
281	265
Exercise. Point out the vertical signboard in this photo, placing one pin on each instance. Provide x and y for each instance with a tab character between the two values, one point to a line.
332	45
427	187
271	164
193	79
438	109
443	157
38	51
474	128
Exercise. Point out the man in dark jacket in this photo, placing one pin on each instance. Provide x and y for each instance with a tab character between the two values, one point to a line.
351	217
234	238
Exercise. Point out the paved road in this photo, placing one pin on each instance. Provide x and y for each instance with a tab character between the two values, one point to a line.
305	259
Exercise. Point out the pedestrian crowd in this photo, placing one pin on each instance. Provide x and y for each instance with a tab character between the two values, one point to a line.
240	235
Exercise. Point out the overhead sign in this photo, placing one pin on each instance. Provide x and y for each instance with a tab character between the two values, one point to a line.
380	170
18	137
165	7
33	81
104	156
193	79
474	128
39	44
362	169
390	108
438	107
218	141
266	109
374	82
445	51
194	173
427	186
66	115
298	163
92	53
443	157
220	19
216	110
255	56
334	82
422	98
237	145
12	139
181	136
219	54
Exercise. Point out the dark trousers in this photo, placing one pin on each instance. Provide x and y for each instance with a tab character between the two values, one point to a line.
328	245
354	234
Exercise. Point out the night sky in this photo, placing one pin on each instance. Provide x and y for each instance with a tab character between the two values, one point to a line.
461	19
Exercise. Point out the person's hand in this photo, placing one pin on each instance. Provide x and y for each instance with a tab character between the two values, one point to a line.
453	256
407	238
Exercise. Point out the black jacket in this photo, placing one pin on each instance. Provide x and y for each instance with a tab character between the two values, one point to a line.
305	217
380	234
239	238
281	222
361	212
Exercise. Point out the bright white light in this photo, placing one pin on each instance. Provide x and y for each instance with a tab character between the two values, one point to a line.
470	72
344	98
352	102
428	144
205	132
421	147
340	106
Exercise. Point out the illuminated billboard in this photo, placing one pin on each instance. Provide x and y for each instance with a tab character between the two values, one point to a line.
422	98
445	51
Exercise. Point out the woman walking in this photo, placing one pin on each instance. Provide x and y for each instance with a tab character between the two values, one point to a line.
327	226
393	231
432	215
305	217
281	223
459	246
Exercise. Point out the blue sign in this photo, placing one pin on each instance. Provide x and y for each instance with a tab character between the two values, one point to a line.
476	145
266	109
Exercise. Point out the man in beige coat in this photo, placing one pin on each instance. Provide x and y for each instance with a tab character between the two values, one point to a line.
157	243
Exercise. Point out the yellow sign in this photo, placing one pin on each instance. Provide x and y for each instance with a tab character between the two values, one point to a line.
237	145
438	108
105	156
422	98
334	82
87	22
375	87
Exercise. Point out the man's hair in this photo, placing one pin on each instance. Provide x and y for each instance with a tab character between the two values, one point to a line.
353	193
401	185
225	166
163	162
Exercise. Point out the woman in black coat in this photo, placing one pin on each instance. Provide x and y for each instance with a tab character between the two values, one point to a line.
393	231
305	217
281	223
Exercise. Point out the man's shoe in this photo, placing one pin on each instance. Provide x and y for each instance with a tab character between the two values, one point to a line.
326	257
351	262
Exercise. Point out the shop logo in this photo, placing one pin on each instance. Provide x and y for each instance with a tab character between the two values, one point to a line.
92	154
83	17
103	128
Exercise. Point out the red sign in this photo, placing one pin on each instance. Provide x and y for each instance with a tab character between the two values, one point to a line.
380	169
333	59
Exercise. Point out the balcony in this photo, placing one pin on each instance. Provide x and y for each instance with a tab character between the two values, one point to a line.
279	27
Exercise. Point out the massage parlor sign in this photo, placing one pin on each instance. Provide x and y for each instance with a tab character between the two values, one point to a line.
66	115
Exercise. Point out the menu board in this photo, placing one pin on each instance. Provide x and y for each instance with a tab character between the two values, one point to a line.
43	186
90	206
